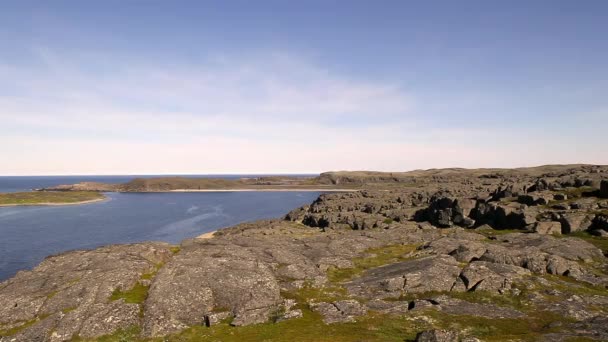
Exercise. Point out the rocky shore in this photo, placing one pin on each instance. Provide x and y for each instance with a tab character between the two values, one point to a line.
436	255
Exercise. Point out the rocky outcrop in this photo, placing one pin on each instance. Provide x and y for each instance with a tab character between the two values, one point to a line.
362	257
75	294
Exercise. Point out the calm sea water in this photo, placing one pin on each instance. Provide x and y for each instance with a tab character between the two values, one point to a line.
29	234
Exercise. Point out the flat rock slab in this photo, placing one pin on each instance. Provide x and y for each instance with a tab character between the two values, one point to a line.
434	273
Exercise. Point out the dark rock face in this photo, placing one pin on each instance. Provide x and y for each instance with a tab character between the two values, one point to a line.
345	258
604	189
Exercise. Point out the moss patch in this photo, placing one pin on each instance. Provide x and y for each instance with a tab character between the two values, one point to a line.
376	257
17	329
130	334
372	327
137	294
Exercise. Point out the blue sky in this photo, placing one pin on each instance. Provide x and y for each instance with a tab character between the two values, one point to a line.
114	87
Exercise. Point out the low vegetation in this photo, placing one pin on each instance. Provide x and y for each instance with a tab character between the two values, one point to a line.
137	294
375	257
48	197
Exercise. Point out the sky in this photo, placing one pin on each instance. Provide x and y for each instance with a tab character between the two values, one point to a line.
203	87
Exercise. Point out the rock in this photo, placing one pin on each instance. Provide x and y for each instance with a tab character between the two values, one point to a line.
80	283
560	197
600	233
604	189
468	252
548	227
340	311
197	280
561	206
434	273
486	276
216	317
574	222
584	204
437	335
535	199
247	272
530	258
445	212
291	315
454	306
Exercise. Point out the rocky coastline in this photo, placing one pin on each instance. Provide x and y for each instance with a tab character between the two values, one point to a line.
435	255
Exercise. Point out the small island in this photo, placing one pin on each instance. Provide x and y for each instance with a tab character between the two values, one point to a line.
49	198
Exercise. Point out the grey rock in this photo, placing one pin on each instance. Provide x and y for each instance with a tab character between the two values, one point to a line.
434	273
437	335
548	227
340	311
216	317
574	222
73	289
486	276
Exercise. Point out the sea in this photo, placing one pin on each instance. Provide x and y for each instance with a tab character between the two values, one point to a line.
29	234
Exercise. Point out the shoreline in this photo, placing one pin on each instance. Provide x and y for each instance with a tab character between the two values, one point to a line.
50	204
263	190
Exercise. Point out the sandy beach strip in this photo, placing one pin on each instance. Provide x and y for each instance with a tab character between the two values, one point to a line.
264	190
208	235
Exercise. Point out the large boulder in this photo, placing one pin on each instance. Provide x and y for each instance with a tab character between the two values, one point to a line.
445	212
575	222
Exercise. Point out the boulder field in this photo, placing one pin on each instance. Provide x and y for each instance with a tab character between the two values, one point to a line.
458	255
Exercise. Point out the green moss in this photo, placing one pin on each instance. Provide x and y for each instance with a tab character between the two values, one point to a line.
43	197
323	294
580	339
481	297
24	325
492	233
129	334
372	327
175	249
68	310
528	328
376	257
388	220
137	294
578	192
572	286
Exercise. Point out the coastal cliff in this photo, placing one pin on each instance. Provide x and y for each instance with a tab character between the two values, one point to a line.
492	254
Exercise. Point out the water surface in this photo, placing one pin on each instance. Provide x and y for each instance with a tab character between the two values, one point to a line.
29	234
